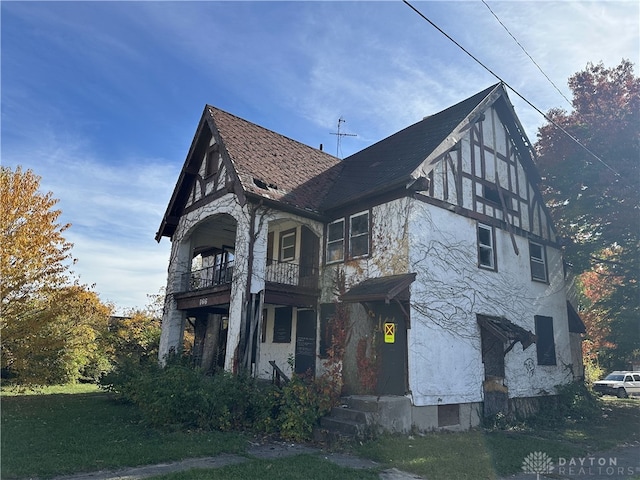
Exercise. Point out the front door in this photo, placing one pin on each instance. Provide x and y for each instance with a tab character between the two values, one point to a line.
392	377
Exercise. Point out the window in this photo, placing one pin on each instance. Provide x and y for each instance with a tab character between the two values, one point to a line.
211	167
538	262
335	241
545	344
288	245
491	194
359	235
486	247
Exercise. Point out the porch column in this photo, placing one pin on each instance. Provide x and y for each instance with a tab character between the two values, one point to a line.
173	319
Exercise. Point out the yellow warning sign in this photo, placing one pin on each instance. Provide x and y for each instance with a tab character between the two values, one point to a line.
389	333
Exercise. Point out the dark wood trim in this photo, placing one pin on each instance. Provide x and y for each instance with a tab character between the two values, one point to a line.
206	200
486	219
279	294
220	295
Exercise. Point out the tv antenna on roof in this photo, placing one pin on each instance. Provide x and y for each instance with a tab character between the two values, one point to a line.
340	134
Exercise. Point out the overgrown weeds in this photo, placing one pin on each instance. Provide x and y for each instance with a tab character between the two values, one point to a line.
183	397
573	403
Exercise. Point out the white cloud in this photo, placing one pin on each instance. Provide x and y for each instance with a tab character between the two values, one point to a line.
298	66
114	211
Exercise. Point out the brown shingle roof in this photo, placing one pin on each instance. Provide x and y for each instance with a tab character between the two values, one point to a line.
273	166
389	162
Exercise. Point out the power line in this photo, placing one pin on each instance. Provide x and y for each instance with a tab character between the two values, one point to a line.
527	53
544	115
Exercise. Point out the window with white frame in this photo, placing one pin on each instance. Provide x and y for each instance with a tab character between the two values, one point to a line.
486	247
537	259
335	241
359	235
288	245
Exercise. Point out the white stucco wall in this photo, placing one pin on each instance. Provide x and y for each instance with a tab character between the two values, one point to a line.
445	360
389	249
279	352
173	319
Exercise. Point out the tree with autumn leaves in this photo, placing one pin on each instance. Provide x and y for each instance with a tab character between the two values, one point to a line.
592	191
54	329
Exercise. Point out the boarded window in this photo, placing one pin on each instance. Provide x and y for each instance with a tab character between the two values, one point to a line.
282	325
211	167
448	415
545	344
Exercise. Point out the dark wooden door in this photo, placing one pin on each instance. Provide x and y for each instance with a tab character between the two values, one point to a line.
392	379
309	258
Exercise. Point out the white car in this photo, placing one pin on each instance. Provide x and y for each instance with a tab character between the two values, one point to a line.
619	383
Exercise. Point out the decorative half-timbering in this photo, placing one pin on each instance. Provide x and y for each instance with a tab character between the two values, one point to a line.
454	283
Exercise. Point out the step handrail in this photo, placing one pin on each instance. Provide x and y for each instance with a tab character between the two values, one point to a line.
277	375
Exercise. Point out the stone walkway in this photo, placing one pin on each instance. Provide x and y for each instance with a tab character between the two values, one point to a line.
259	451
626	459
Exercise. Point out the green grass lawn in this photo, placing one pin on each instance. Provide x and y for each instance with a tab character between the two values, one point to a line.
307	467
48	434
491	454
55	434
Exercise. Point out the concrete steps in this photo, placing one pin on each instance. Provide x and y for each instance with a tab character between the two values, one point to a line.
364	416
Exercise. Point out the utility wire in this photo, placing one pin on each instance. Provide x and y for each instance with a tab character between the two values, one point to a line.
562	129
527	53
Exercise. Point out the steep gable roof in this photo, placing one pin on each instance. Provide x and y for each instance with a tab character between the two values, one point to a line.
266	164
277	169
273	166
390	162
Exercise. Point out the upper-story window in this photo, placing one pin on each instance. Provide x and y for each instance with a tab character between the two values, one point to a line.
537	259
359	235
288	245
486	247
354	228
491	193
211	165
335	241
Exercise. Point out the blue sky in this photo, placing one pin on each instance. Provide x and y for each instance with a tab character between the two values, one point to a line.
102	99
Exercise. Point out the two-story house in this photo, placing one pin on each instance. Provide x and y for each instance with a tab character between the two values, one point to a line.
453	276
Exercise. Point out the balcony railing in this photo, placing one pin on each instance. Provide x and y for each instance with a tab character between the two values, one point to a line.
284	273
288	273
207	277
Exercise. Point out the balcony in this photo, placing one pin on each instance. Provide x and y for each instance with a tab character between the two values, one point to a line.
281	273
207	277
288	273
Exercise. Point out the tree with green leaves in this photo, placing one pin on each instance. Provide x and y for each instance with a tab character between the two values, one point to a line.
592	190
